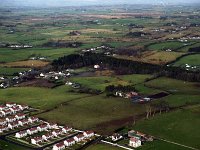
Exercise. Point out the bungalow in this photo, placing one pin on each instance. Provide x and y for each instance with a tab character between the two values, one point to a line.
2	107
36	140
10	104
6	112
47	136
16	109
33	119
11	119
43	127
32	131
2	114
56	133
69	142
21	134
52	126
20	116
79	137
23	122
66	129
13	125
3	128
3	121
116	137
135	142
88	134
59	146
23	107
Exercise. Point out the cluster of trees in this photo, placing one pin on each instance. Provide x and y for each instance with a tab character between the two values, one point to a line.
62	44
194	49
124	66
111	89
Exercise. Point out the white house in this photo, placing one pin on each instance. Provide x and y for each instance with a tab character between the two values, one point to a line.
69	142
32	131
20	116
56	133
135	142
43	127
23	107
36	140
2	107
13	125
96	66
21	134
10	104
3	128
116	137
59	146
33	119
11	119
66	129
79	137
6	112
23	122
88	134
3	122
47	136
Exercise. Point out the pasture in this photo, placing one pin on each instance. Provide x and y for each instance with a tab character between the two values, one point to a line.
192	60
181	126
99	113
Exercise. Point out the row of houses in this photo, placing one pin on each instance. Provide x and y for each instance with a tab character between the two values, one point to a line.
15	122
71	141
34	130
50	135
11	109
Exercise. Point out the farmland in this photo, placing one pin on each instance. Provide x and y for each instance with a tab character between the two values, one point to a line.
98	67
174	126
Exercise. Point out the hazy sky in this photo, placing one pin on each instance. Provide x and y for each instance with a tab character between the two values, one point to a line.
88	2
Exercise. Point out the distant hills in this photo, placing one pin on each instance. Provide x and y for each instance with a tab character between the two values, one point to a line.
53	3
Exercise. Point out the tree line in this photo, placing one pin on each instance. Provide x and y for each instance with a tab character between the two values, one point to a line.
123	67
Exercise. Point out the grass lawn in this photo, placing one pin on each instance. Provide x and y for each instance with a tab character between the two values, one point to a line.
181	126
41	98
175	86
9	146
103	147
86	113
160	145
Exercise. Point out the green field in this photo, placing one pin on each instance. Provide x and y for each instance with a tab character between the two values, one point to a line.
192	60
175	86
86	113
9	146
11	71
173	45
160	145
181	126
41	98
101	82
103	147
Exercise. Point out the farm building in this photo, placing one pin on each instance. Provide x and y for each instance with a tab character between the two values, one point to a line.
79	137
135	142
116	137
88	134
59	146
21	134
69	142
